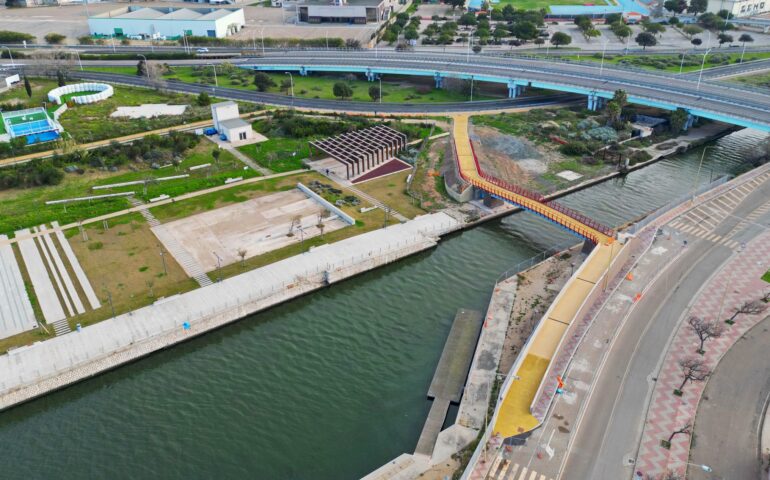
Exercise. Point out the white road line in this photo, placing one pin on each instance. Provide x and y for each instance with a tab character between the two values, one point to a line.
523	475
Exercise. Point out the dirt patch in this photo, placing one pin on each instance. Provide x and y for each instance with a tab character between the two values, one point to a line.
536	290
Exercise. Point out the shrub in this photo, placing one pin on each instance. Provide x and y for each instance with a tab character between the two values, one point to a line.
7	36
54	38
574	148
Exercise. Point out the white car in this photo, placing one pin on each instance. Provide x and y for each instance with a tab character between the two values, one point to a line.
203	50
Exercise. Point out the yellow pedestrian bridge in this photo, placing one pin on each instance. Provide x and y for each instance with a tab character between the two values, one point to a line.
514	411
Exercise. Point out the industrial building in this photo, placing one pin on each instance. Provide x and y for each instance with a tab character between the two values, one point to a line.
343	11
739	8
169	22
229	124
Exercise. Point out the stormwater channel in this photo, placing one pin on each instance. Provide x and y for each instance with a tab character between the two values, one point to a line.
329	386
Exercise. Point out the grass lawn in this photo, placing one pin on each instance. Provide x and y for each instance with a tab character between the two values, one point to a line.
279	154
391	190
669	63
318	86
758	80
24	208
539	4
128	247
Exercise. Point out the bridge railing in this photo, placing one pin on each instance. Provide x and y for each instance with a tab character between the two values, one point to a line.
536	197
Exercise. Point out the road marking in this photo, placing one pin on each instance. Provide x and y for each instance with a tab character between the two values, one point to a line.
514	470
504	470
533	476
523	475
493	471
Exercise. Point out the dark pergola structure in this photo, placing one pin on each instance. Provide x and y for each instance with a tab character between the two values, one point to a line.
363	149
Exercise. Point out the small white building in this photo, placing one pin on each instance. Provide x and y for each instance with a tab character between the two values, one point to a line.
170	22
739	8
228	122
7	82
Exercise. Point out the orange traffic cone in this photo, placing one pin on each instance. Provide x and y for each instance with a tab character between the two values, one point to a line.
630	276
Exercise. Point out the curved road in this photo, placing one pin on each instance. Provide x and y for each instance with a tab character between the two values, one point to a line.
716	101
729	417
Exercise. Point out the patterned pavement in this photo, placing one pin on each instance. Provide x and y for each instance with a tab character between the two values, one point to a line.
737	281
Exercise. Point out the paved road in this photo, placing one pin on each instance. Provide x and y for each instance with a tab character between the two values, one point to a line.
715	100
613	419
729	416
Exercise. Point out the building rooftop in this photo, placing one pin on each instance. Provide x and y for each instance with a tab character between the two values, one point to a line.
167	13
234	123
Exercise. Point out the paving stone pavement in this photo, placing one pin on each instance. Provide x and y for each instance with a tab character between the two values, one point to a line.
738	280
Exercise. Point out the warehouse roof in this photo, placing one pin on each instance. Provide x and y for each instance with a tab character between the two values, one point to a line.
167	13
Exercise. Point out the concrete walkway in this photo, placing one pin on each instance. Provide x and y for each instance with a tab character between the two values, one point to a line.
37	369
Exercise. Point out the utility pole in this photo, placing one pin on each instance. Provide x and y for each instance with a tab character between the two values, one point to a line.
163	259
219	267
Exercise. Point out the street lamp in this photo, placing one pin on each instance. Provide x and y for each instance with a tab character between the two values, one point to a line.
380	78
703	64
11	55
604	49
681	64
471	88
81	63
470	42
697	175
146	66
219	267
262	35
291	83
216	82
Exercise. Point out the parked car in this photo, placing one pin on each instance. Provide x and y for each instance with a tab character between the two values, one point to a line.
203	50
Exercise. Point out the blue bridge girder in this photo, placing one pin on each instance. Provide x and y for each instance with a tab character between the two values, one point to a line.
665	91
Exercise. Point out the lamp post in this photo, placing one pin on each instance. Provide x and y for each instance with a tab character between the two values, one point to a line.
681	64
380	78
703	64
216	82
146	66
470	42
471	88
697	175
219	267
10	55
81	63
262	35
291	83
743	52
604	49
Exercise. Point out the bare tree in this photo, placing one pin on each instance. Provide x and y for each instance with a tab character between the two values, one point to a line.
693	370
150	284
687	429
704	330
749	307
242	254
295	223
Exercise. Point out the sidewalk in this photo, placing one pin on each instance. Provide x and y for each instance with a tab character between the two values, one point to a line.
737	281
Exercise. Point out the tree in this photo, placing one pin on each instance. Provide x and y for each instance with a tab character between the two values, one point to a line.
242	254
613	18
692	30
750	307
724	38
646	39
342	90
468	19
524	30
411	34
457	4
711	21
215	155
286	85
745	38
704	330
539	41
621	97
60	79
27	87
687	429
677	119
263	81
374	93
613	113
693	370
141	68
560	38
697	6
54	38
203	100
653	28
676	6
622	31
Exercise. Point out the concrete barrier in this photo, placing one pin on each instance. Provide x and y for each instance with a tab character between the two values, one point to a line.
103	91
327	205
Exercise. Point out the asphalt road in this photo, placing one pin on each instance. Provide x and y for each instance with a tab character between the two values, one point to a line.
613	419
730	413
334	105
741	104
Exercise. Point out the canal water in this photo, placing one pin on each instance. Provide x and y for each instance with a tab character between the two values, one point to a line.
329	386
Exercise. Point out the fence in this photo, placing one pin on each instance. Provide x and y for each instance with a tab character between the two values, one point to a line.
639	226
103	91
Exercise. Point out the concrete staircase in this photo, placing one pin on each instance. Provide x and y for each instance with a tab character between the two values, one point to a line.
145	212
188	263
61	327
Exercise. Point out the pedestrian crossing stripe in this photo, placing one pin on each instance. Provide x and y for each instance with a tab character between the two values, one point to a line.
708	236
513	471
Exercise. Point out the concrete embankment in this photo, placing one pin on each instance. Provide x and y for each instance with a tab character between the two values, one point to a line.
41	368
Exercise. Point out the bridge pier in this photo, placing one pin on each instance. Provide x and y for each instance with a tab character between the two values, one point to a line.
303	71
439	80
370	75
595	102
515	88
689	122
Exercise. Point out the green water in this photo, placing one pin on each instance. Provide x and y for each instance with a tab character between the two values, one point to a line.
329	386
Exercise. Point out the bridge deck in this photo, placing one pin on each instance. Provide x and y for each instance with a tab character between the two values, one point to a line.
471	172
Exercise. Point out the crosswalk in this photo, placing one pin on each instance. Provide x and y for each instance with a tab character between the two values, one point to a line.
701	221
503	469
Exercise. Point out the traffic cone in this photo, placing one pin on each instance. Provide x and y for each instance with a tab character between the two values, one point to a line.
630	276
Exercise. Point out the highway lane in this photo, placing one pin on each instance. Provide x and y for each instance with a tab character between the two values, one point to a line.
743	104
333	105
730	413
614	417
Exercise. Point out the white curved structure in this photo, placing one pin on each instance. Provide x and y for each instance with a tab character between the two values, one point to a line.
103	91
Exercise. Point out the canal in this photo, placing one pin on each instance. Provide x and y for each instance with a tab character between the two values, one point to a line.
329	386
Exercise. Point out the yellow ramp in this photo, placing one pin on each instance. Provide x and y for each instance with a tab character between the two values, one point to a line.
514	417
